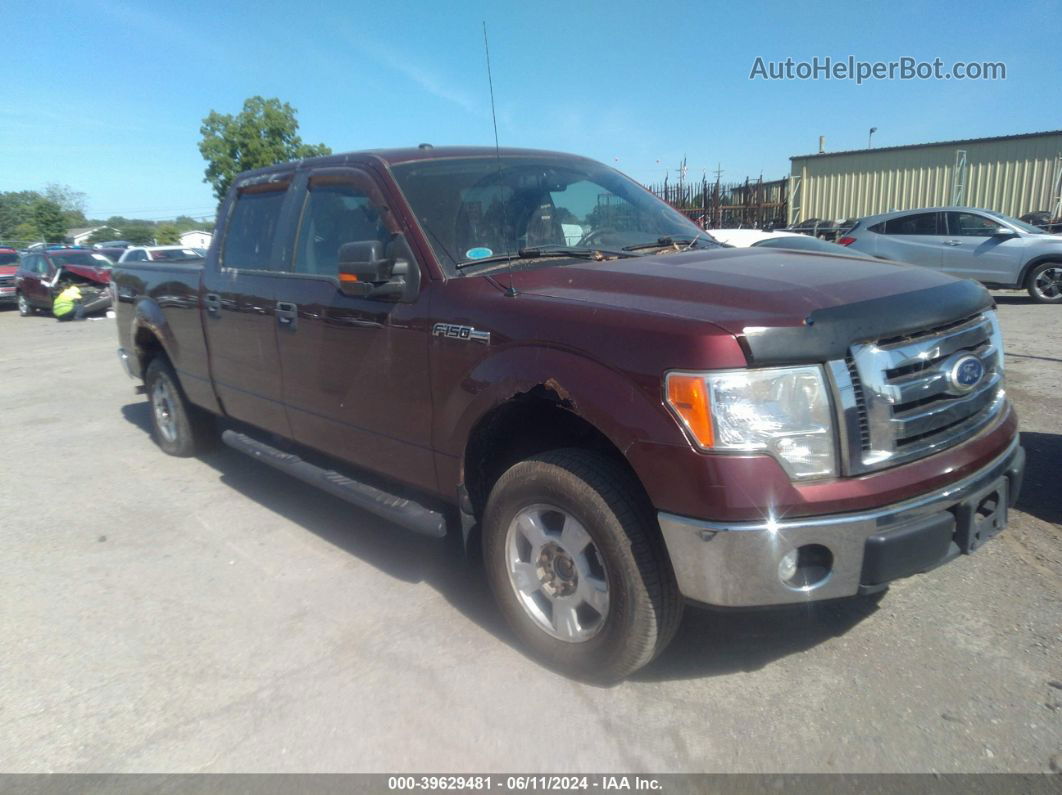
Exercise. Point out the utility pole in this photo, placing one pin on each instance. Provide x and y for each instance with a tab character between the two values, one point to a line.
870	136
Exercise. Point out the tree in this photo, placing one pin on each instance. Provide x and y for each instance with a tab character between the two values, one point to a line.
139	234
167	235
103	234
70	201
263	133
47	216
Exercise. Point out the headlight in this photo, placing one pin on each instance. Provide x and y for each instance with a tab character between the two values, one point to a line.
996	335
783	411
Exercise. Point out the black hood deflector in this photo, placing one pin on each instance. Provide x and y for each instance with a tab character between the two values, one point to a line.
827	333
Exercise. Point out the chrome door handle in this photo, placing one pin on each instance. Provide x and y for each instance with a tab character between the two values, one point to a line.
212	302
952	242
287	314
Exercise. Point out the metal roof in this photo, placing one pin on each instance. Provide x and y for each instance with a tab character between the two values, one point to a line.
817	155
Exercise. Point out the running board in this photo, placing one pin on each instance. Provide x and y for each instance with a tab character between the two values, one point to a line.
407	513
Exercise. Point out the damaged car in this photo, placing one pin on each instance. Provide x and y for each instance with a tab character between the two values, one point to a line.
42	275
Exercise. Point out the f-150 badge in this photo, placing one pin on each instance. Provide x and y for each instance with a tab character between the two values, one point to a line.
455	332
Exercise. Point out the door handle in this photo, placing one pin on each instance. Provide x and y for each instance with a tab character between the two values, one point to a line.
952	242
287	314
213	303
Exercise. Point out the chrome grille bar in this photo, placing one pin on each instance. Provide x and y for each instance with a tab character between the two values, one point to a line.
898	400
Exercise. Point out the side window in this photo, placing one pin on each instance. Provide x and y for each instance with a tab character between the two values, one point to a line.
918	224
41	265
334	214
970	225
250	230
135	256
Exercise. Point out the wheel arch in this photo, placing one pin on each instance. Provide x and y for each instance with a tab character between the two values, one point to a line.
1032	264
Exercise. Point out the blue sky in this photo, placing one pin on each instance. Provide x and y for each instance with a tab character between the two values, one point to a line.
107	95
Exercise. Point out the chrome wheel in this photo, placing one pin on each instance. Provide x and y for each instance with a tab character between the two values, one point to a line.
23	305
1048	284
557	573
162	403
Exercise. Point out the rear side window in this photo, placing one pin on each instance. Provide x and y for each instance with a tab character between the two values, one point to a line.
917	224
250	230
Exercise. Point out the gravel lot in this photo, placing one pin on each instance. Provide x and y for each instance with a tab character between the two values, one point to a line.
212	615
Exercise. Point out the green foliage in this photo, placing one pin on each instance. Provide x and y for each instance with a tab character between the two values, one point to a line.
102	234
47	216
139	234
167	235
16	216
263	133
70	201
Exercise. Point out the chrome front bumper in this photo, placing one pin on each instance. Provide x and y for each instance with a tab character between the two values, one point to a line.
737	564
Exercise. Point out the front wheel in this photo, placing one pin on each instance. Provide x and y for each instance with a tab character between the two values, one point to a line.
180	429
1045	283
24	308
577	564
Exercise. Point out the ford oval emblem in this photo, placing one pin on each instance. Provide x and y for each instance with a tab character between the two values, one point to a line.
966	373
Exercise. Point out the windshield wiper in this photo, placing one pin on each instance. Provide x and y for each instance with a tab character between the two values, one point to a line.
541	252
664	242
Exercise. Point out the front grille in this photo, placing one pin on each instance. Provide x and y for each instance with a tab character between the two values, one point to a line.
900	400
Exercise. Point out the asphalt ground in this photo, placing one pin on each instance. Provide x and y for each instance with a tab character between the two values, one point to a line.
212	615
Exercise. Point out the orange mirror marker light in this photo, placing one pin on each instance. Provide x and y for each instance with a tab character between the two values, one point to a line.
688	397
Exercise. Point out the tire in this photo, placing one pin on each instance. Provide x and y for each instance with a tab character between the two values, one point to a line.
179	428
1045	283
566	620
24	307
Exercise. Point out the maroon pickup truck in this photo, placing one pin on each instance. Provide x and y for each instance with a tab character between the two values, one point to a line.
530	349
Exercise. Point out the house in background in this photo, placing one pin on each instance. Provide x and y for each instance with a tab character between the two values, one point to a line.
196	239
80	236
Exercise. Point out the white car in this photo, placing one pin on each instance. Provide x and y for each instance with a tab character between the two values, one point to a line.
793	241
159	253
743	238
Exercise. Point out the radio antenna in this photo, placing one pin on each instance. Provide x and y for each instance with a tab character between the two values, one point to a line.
510	290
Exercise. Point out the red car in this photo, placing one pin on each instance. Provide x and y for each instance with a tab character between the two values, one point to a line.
38	275
8	266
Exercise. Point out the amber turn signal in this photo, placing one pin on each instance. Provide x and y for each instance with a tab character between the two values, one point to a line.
347	277
688	397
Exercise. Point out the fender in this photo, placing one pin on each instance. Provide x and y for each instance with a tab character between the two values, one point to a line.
1026	269
623	408
148	315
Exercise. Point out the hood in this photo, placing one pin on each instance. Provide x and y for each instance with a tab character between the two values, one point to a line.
733	288
101	275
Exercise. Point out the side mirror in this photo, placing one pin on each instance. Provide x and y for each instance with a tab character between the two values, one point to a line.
1002	231
367	270
361	266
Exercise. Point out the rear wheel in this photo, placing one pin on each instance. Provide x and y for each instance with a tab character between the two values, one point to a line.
577	565
1045	283
180	429
24	308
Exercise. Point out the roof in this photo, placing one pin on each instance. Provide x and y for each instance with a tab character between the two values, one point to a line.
933	143
81	230
407	154
954	208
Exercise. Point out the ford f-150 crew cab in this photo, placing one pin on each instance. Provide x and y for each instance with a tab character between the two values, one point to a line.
530	349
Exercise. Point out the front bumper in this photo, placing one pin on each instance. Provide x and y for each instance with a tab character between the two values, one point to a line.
8	294
737	564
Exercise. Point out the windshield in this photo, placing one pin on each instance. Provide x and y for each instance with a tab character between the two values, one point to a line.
1024	227
75	258
476	208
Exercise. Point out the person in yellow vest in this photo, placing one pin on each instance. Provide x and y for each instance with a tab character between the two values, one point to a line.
67	305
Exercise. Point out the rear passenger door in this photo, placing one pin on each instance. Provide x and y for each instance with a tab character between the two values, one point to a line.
355	369
917	238
239	306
